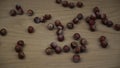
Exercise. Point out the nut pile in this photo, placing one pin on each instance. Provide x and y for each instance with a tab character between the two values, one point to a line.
19	11
103	41
74	46
42	19
104	20
19	49
71	5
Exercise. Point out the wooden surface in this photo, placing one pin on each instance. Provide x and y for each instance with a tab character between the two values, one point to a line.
96	57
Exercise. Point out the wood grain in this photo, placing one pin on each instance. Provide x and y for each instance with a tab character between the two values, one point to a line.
96	57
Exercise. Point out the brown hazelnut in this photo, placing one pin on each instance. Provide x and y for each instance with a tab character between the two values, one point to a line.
43	19
87	19
59	32
20	12
117	27
17	6
21	43
31	29
96	9
58	49
71	5
93	17
76	36
37	20
109	23
76	50
76	58
30	12
18	48
92	28
57	23
103	44
75	20
98	15
21	55
80	16
102	38
74	44
91	22
50	26
12	12
104	21
103	16
47	16
49	51
70	25
60	37
53	45
79	4
83	42
65	3
58	1
83	48
66	48
60	27
3	32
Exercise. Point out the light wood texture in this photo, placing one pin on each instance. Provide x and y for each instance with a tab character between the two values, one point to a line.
96	57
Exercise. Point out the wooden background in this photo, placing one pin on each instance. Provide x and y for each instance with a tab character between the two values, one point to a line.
96	57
